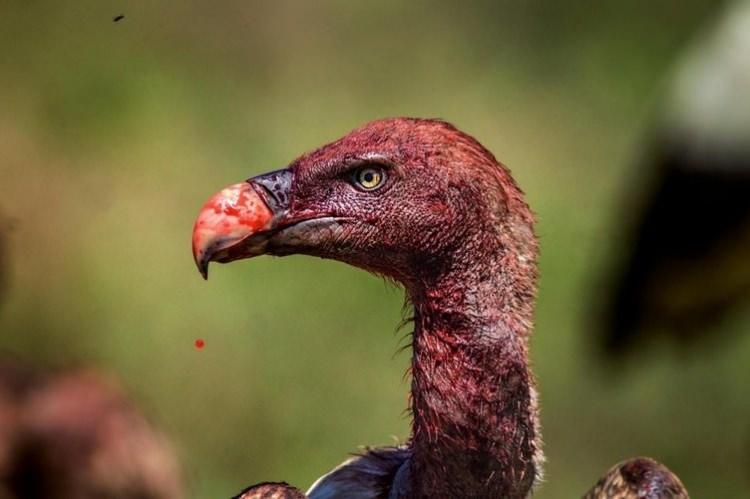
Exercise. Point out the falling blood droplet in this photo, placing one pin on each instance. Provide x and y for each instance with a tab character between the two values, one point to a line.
199	343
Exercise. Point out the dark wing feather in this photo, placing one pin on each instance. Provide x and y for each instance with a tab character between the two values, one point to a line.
367	476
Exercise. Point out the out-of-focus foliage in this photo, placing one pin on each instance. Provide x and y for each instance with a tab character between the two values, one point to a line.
112	134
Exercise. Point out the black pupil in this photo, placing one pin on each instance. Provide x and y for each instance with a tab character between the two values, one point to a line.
369	177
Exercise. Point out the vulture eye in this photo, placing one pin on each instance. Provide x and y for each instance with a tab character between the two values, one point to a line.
369	178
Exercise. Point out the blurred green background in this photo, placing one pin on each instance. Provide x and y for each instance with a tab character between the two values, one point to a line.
113	134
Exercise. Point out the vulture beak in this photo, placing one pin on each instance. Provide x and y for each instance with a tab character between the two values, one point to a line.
238	221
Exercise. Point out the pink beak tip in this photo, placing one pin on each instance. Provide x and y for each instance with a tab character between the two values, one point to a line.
229	216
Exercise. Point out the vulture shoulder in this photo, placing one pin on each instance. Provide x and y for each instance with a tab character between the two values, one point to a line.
372	475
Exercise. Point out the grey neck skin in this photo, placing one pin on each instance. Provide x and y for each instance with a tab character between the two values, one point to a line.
475	430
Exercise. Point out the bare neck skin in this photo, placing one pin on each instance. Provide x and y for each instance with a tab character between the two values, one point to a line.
475	431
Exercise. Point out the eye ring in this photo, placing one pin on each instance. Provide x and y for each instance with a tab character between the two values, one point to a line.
369	178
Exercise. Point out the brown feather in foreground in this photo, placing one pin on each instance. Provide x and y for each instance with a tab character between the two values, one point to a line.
271	490
639	478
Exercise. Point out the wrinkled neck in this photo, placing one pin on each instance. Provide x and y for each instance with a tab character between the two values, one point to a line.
474	406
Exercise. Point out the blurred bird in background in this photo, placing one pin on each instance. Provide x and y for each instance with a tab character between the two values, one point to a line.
686	266
4	227
74	435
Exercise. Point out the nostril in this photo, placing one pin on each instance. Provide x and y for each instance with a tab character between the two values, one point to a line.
267	192
274	187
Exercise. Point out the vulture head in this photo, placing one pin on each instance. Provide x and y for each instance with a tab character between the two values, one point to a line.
401	197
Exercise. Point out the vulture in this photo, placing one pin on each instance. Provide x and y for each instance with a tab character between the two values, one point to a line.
73	435
424	204
685	267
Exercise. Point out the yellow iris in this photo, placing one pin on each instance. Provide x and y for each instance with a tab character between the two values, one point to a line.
370	178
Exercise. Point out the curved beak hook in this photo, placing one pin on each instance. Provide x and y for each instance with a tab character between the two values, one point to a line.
236	222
